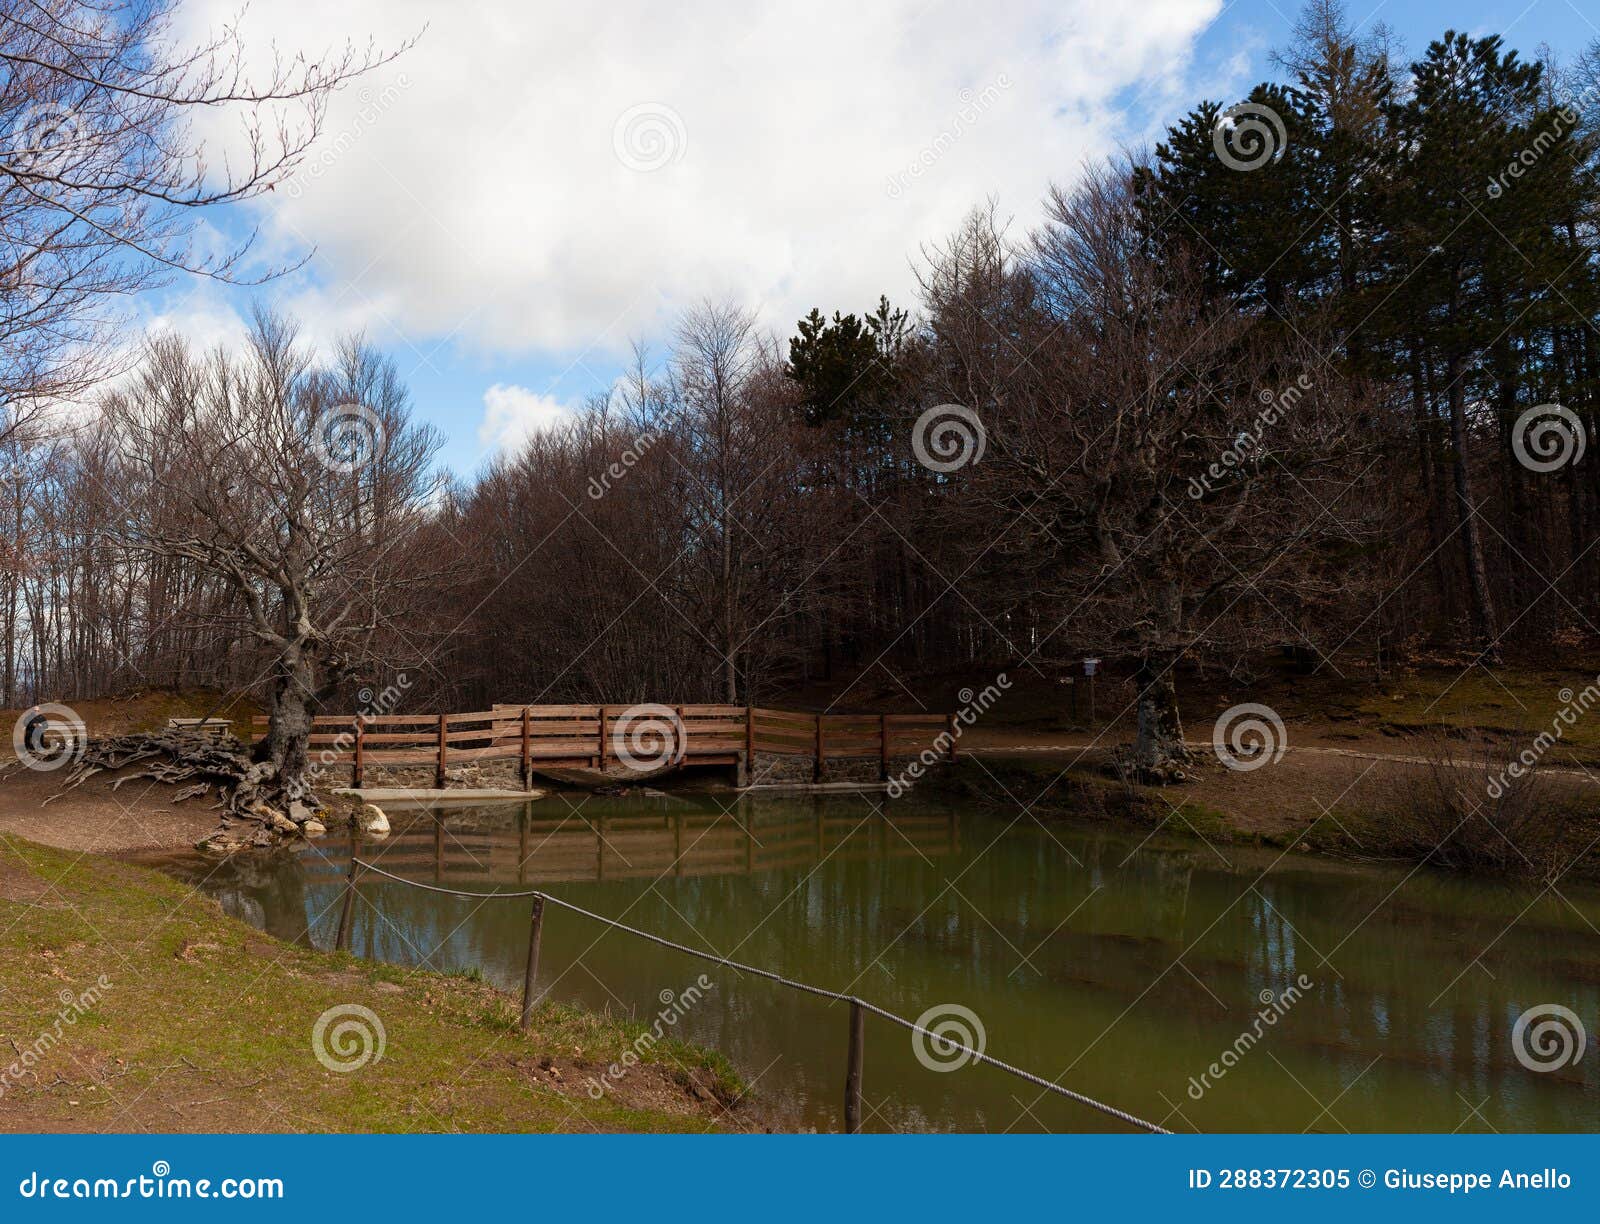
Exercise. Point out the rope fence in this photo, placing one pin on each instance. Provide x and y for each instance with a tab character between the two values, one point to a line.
858	1007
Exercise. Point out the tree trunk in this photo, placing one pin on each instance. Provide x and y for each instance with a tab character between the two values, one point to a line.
289	724
1159	747
1482	607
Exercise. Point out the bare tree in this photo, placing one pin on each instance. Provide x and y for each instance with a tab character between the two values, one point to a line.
1154	468
313	509
102	177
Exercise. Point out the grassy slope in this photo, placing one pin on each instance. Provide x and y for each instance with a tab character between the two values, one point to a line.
207	1026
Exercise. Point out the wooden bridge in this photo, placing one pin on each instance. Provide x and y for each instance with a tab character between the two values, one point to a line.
621	742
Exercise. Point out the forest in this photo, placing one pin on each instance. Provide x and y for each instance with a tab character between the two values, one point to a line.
1317	372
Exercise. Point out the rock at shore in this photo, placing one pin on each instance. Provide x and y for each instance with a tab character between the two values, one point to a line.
372	820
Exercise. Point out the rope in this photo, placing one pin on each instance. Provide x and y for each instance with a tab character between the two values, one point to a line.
945	1044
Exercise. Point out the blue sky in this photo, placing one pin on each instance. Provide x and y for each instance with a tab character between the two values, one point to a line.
534	185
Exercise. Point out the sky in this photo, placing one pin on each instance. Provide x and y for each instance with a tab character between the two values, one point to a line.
531	186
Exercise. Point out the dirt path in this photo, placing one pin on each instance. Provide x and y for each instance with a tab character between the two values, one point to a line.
94	818
1065	746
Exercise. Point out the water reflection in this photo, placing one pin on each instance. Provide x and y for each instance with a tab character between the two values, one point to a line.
1128	968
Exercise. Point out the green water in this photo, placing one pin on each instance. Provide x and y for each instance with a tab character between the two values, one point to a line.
1122	966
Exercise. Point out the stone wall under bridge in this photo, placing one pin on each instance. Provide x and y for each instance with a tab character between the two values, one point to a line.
770	769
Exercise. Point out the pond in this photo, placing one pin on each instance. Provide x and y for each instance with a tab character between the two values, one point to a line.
1218	989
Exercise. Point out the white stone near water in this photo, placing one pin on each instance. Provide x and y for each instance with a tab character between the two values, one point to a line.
372	820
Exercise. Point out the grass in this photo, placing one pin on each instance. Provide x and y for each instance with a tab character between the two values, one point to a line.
205	1024
149	710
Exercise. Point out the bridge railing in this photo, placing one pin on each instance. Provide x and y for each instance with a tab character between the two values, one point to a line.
598	736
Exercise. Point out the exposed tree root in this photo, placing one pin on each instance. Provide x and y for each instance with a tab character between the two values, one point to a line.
258	809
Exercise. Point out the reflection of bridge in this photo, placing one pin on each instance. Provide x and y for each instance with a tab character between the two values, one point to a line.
649	846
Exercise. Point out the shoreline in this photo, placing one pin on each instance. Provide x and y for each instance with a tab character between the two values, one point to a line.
200	1022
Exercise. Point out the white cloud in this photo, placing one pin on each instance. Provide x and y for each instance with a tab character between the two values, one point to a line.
473	189
512	414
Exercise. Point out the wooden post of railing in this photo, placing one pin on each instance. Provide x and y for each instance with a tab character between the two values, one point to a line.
534	926
438	770
600	745
356	772
817	769
883	747
347	914
527	751
950	726
852	1074
749	745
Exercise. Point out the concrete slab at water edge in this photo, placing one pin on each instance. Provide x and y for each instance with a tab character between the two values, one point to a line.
430	797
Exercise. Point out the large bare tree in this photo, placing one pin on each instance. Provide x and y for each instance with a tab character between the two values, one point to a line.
308	492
